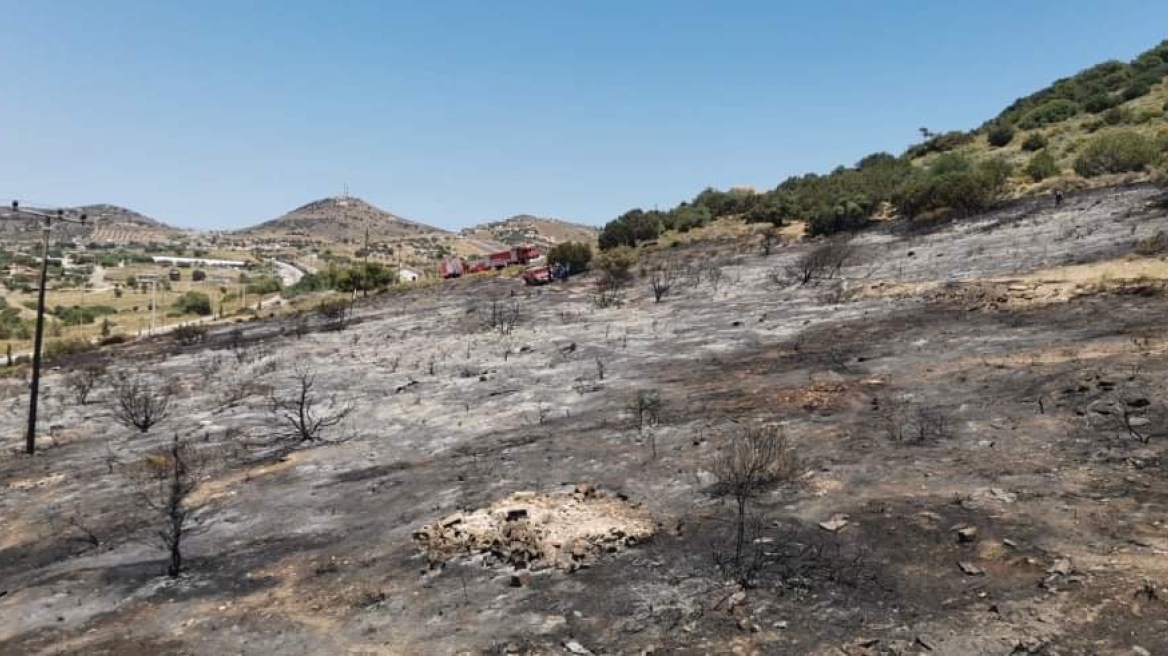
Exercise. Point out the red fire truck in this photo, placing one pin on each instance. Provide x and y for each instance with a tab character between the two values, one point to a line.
455	267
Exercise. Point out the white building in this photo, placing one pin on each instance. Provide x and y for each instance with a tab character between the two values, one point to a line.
196	261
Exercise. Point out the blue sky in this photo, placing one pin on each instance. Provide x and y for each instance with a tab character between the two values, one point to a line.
217	114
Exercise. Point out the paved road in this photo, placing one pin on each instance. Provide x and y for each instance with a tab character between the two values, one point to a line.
288	273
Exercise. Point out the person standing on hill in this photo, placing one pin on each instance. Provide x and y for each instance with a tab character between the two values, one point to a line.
1058	197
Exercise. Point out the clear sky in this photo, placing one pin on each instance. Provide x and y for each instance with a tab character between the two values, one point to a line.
215	114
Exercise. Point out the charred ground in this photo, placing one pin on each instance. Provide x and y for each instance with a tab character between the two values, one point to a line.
951	399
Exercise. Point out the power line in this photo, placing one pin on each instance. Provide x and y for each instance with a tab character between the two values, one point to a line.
47	218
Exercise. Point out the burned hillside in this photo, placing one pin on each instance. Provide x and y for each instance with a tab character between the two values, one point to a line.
952	442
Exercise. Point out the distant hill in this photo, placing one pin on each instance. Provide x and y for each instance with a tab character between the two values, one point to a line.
113	214
105	223
341	219
527	229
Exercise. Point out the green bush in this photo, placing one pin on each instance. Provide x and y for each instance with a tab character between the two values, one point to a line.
633	227
1053	111
963	189
845	216
616	264
573	254
1034	141
59	348
1000	135
940	143
365	277
11	325
1116	152
194	303
1117	116
950	163
686	217
264	285
1137	89
1145	116
724	203
1042	166
309	282
772	211
81	315
1100	102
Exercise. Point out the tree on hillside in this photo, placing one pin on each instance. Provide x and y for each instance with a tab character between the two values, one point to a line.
1000	135
573	254
365	277
194	303
751	461
954	184
774	209
166	482
1121	151
1042	166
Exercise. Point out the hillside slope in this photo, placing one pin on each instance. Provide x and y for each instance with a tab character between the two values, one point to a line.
105	223
1106	125
527	229
340	219
963	480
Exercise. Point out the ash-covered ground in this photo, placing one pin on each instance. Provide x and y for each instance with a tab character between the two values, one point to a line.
977	410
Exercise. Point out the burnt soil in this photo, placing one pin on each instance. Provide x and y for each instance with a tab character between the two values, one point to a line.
1003	371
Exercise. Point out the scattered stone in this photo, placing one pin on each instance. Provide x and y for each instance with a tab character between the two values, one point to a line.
1028	646
520	579
747	625
575	647
529	531
1061	567
1140	651
1003	496
970	569
967	534
837	522
401	388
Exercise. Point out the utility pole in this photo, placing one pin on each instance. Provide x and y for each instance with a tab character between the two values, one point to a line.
34	385
153	302
365	273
